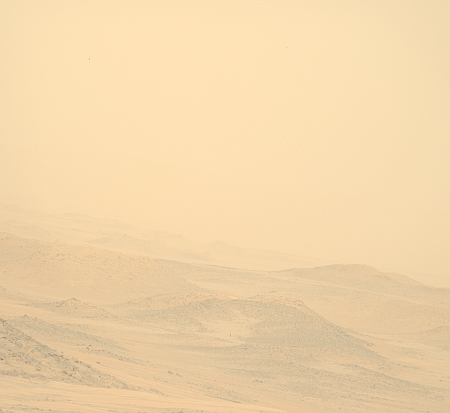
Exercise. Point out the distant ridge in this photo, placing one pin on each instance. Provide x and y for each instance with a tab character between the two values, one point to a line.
79	229
74	308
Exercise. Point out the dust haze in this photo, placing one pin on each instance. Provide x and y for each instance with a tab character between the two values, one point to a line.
236	206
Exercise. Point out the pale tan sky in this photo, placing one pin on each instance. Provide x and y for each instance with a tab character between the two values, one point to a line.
315	127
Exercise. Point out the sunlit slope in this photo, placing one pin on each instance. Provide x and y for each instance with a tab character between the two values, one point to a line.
63	272
367	300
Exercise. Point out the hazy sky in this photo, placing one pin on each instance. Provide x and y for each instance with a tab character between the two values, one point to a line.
315	127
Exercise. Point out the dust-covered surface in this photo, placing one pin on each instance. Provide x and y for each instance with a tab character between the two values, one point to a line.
87	329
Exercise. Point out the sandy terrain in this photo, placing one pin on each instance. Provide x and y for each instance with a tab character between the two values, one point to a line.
93	329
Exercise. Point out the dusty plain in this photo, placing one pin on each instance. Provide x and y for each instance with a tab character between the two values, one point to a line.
96	317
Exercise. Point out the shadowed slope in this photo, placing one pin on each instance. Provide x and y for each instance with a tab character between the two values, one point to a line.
21	355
